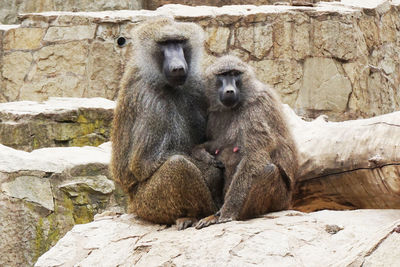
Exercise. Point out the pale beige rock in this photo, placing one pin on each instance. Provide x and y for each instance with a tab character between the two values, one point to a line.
57	70
105	70
23	38
335	38
9	9
292	36
324	87
29	125
99	183
61	58
217	39
257	40
30	188
62	86
362	38
379	257
47	191
285	238
72	33
284	75
15	67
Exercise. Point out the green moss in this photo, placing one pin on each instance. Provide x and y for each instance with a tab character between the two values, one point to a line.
82	119
43	242
78	207
39	240
83	214
35	143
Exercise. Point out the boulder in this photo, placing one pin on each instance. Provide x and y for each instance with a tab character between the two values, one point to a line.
28	125
44	193
287	238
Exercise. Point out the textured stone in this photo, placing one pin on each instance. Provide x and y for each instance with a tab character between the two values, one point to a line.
361	37
324	88
104	71
9	9
47	191
257	40
23	38
286	238
30	188
53	59
57	70
29	125
100	184
79	32
380	256
15	67
217	39
284	75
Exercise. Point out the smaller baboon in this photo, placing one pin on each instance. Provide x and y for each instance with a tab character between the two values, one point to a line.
248	133
159	118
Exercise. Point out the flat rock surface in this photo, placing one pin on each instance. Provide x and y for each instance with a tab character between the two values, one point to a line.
54	105
287	238
59	121
54	159
44	193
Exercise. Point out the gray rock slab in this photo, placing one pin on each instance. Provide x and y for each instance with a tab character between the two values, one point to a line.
287	238
44	193
53	159
29	125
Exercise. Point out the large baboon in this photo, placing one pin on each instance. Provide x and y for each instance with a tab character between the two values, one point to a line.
248	133
159	118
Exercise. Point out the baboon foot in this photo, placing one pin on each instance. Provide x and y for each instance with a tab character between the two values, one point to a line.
185	222
212	219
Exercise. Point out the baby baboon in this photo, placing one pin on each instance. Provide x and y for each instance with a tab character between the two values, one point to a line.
159	118
248	133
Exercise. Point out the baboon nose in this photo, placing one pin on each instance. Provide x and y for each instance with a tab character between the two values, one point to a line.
230	92
178	71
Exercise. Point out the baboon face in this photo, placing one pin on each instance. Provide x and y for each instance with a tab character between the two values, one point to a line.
174	65
168	53
229	86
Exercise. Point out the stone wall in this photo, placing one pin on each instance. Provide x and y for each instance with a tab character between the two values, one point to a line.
154	4
331	59
9	9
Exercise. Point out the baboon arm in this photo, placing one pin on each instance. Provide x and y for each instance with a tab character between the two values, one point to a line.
142	169
200	152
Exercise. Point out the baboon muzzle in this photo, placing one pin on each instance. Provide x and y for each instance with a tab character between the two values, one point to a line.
228	92
174	66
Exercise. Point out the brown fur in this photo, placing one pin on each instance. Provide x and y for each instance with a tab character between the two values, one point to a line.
260	176
156	126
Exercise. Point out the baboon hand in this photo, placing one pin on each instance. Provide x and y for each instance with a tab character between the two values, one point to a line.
201	154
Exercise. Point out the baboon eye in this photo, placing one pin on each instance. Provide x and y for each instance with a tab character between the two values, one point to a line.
218	83
238	83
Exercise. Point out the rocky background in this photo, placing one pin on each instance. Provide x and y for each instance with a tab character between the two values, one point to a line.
337	59
10	9
333	59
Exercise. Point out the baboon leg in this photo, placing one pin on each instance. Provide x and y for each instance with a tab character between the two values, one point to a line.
214	179
268	192
176	190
